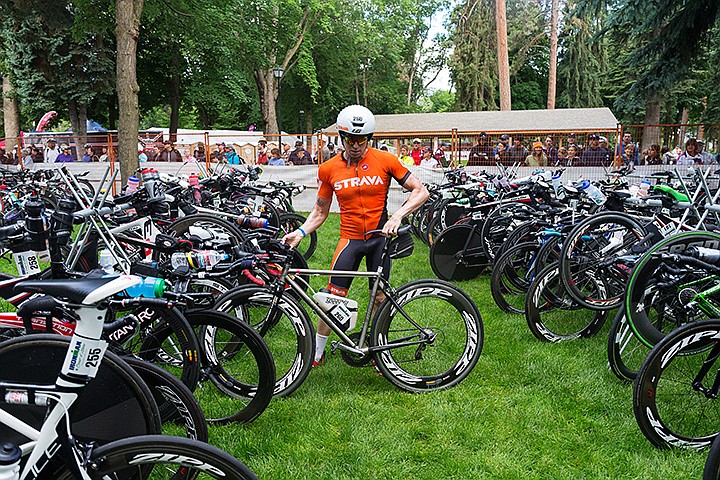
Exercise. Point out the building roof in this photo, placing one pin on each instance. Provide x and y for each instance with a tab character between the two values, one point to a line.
565	120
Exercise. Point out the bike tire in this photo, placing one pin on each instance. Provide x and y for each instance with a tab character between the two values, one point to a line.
712	463
588	254
553	316
511	276
625	351
286	329
115	404
181	227
447	254
290	222
647	314
179	409
238	362
669	408
439	308
176	349
160	457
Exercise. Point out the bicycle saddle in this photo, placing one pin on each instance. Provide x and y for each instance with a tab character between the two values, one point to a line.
85	291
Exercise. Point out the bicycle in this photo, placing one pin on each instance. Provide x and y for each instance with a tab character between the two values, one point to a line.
427	335
53	451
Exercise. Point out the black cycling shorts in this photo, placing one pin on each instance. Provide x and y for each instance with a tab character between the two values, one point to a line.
348	255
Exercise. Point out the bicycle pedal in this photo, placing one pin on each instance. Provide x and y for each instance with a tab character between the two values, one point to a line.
334	345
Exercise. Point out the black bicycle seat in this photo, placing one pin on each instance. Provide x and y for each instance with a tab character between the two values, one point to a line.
75	290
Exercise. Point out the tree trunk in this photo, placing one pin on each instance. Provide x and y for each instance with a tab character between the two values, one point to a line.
308	120
127	30
78	121
11	116
552	74
175	93
503	59
269	91
651	131
683	127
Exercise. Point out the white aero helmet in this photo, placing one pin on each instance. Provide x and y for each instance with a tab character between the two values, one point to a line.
356	120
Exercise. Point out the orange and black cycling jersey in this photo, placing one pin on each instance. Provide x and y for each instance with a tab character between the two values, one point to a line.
361	190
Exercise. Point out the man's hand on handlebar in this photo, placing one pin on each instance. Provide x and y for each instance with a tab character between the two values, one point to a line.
293	238
391	226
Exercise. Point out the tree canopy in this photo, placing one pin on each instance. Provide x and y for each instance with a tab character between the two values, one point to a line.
209	64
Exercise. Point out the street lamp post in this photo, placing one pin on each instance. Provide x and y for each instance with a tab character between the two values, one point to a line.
278	73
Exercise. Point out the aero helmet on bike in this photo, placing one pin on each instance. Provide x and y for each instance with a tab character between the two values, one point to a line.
356	120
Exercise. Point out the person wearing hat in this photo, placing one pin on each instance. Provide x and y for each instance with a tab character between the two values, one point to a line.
65	156
428	159
482	153
231	156
51	151
416	153
537	158
168	153
594	155
300	159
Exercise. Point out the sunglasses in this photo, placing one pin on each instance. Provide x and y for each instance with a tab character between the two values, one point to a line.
352	139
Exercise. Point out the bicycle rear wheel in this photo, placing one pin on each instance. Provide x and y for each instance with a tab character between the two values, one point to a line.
591	252
457	253
625	351
512	275
180	411
551	313
654	309
238	363
156	457
440	343
670	400
115	404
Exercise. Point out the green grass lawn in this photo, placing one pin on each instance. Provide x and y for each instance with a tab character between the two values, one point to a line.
528	410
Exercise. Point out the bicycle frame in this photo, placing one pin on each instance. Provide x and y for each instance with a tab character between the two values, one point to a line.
346	344
77	368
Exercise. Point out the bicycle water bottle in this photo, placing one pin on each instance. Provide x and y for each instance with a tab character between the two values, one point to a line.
150	287
594	193
107	261
132	184
197	259
250	221
644	189
193	180
558	187
343	310
10	455
709	255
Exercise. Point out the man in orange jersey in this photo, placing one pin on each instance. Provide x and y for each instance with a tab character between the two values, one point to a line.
360	179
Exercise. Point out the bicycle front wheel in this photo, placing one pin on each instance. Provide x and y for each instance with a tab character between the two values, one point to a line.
433	342
673	398
159	457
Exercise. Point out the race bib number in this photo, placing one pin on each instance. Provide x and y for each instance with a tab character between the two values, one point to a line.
668	230
27	263
84	357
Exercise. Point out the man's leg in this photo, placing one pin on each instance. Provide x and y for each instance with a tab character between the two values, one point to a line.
345	258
